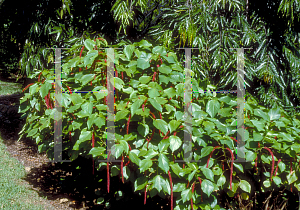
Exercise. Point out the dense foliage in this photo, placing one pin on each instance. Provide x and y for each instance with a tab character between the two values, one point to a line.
150	126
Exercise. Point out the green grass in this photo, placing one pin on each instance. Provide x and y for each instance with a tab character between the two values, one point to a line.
15	192
10	88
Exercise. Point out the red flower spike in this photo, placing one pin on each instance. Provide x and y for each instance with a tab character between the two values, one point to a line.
27	86
39	77
69	89
193	187
145	196
175	133
107	169
128	123
272	161
122	169
160	61
122	75
277	167
200	188
81	51
211	155
93	139
171	190
231	169
153	78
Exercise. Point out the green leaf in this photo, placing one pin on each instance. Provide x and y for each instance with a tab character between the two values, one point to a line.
121	114
206	151
145	164
164	69
158	181
136	105
173	125
258	124
179	187
209	127
155	104
244	185
250	156
186	195
153	92
143	63
267	183
118	82
128	50
44	90
161	125
163	145
89	44
118	150
144	43
176	168
143	129
277	180
212	107
175	143
97	152
239	166
274	114
207	187
291	177
163	163
144	79
260	113
134	158
208	173
140	183
221	181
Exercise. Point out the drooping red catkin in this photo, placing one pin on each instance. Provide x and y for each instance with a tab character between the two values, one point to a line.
211	155
145	198
175	133
153	78
291	172
200	188
152	115
171	190
128	123
122	75
122	162
277	167
93	139
108	181
150	137
81	52
272	161
256	160
39	76
166	135
231	169
27	86
193	187
69	89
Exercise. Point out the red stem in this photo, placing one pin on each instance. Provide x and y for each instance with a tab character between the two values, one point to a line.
150	137
69	89
231	169
171	190
145	197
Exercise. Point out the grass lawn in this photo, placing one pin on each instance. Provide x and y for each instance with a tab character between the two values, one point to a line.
15	192
10	88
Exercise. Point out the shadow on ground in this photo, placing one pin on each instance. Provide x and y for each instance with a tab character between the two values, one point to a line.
66	184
